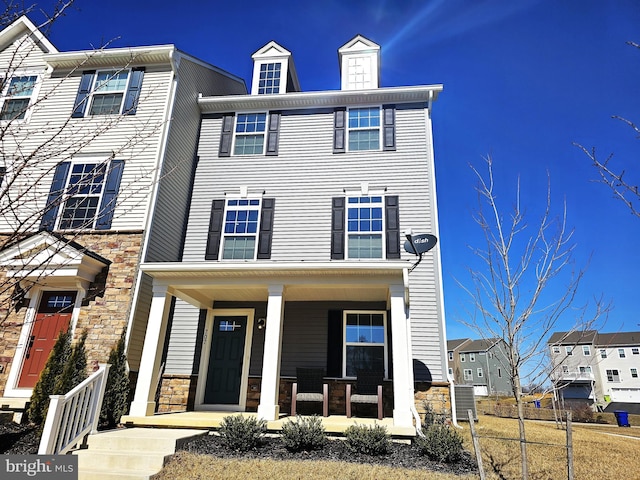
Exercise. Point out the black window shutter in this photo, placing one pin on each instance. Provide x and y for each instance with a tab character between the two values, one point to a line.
337	228
3	172
339	130
215	230
266	228
392	226
273	133
334	344
82	98
133	92
389	128
389	347
111	188
55	195
227	135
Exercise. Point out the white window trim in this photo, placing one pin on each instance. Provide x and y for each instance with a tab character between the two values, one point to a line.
586	350
622	353
569	350
255	83
612	375
224	235
11	389
555	349
472	357
365	193
479	372
66	196
380	128
235	134
34	94
467	374
345	343
603	353
633	372
463	357
451	356
95	93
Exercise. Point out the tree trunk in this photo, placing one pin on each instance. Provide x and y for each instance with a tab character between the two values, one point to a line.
517	391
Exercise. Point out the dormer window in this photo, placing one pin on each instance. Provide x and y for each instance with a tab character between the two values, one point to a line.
359	64
269	78
359	73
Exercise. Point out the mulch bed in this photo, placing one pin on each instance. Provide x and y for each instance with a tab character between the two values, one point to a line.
18	439
401	455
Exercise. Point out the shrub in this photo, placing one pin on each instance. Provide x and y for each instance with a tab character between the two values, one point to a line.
116	394
39	403
242	434
431	417
582	413
74	370
368	440
306	433
441	443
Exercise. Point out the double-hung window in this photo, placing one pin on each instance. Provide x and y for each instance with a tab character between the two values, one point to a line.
635	351
603	353
556	349
359	73
585	370
480	373
613	376
249	133
84	192
365	342
472	357
240	229
269	78
108	92
621	353
569	350
364	128
634	373
468	374
17	97
451	356
364	227
586	350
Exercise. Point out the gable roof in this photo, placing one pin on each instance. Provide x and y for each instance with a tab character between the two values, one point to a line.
481	345
21	27
618	339
277	51
573	337
453	344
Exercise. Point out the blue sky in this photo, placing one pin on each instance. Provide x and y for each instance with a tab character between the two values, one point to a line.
523	80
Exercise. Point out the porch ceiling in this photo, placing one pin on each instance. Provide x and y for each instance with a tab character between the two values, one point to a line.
203	283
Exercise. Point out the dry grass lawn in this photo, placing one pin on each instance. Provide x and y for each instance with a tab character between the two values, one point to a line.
202	467
597	453
600	452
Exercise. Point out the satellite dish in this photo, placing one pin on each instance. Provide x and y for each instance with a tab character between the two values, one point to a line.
419	244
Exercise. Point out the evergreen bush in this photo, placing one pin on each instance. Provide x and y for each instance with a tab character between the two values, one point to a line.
305	433
39	403
74	370
116	394
372	440
242	434
441	443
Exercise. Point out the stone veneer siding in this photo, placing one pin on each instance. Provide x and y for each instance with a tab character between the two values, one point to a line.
177	394
105	310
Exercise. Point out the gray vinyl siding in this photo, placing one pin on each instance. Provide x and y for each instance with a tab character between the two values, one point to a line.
50	131
304	335
139	327
174	188
304	177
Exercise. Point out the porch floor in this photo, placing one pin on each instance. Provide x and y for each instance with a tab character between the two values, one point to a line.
333	424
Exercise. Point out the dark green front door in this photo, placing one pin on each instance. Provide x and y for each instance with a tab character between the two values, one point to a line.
224	374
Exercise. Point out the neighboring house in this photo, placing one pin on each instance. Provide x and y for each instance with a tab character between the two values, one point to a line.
481	363
111	137
293	255
596	368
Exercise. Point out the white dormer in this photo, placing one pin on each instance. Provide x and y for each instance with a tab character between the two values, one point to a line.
359	64
273	71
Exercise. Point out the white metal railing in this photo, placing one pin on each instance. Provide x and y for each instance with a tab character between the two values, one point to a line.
73	416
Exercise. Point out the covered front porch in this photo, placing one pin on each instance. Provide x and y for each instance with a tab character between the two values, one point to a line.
258	322
333	424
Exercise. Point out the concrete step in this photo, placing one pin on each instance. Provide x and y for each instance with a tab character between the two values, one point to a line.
130	453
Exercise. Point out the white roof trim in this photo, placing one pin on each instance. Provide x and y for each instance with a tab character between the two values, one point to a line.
330	98
271	50
20	26
158	54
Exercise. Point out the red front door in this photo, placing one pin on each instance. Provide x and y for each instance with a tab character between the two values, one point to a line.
54	315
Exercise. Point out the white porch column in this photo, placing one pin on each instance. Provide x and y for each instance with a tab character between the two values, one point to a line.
268	408
144	400
402	360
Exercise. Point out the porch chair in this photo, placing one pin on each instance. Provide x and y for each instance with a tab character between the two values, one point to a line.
368	390
309	388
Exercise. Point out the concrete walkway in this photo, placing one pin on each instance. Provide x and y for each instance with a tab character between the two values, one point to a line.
130	453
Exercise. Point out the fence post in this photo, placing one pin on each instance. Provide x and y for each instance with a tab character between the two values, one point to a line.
569	447
51	425
476	444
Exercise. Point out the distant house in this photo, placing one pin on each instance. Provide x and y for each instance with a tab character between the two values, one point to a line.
293	254
98	140
481	363
596	368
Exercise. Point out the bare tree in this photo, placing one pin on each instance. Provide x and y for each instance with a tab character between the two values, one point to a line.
625	189
31	150
525	284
